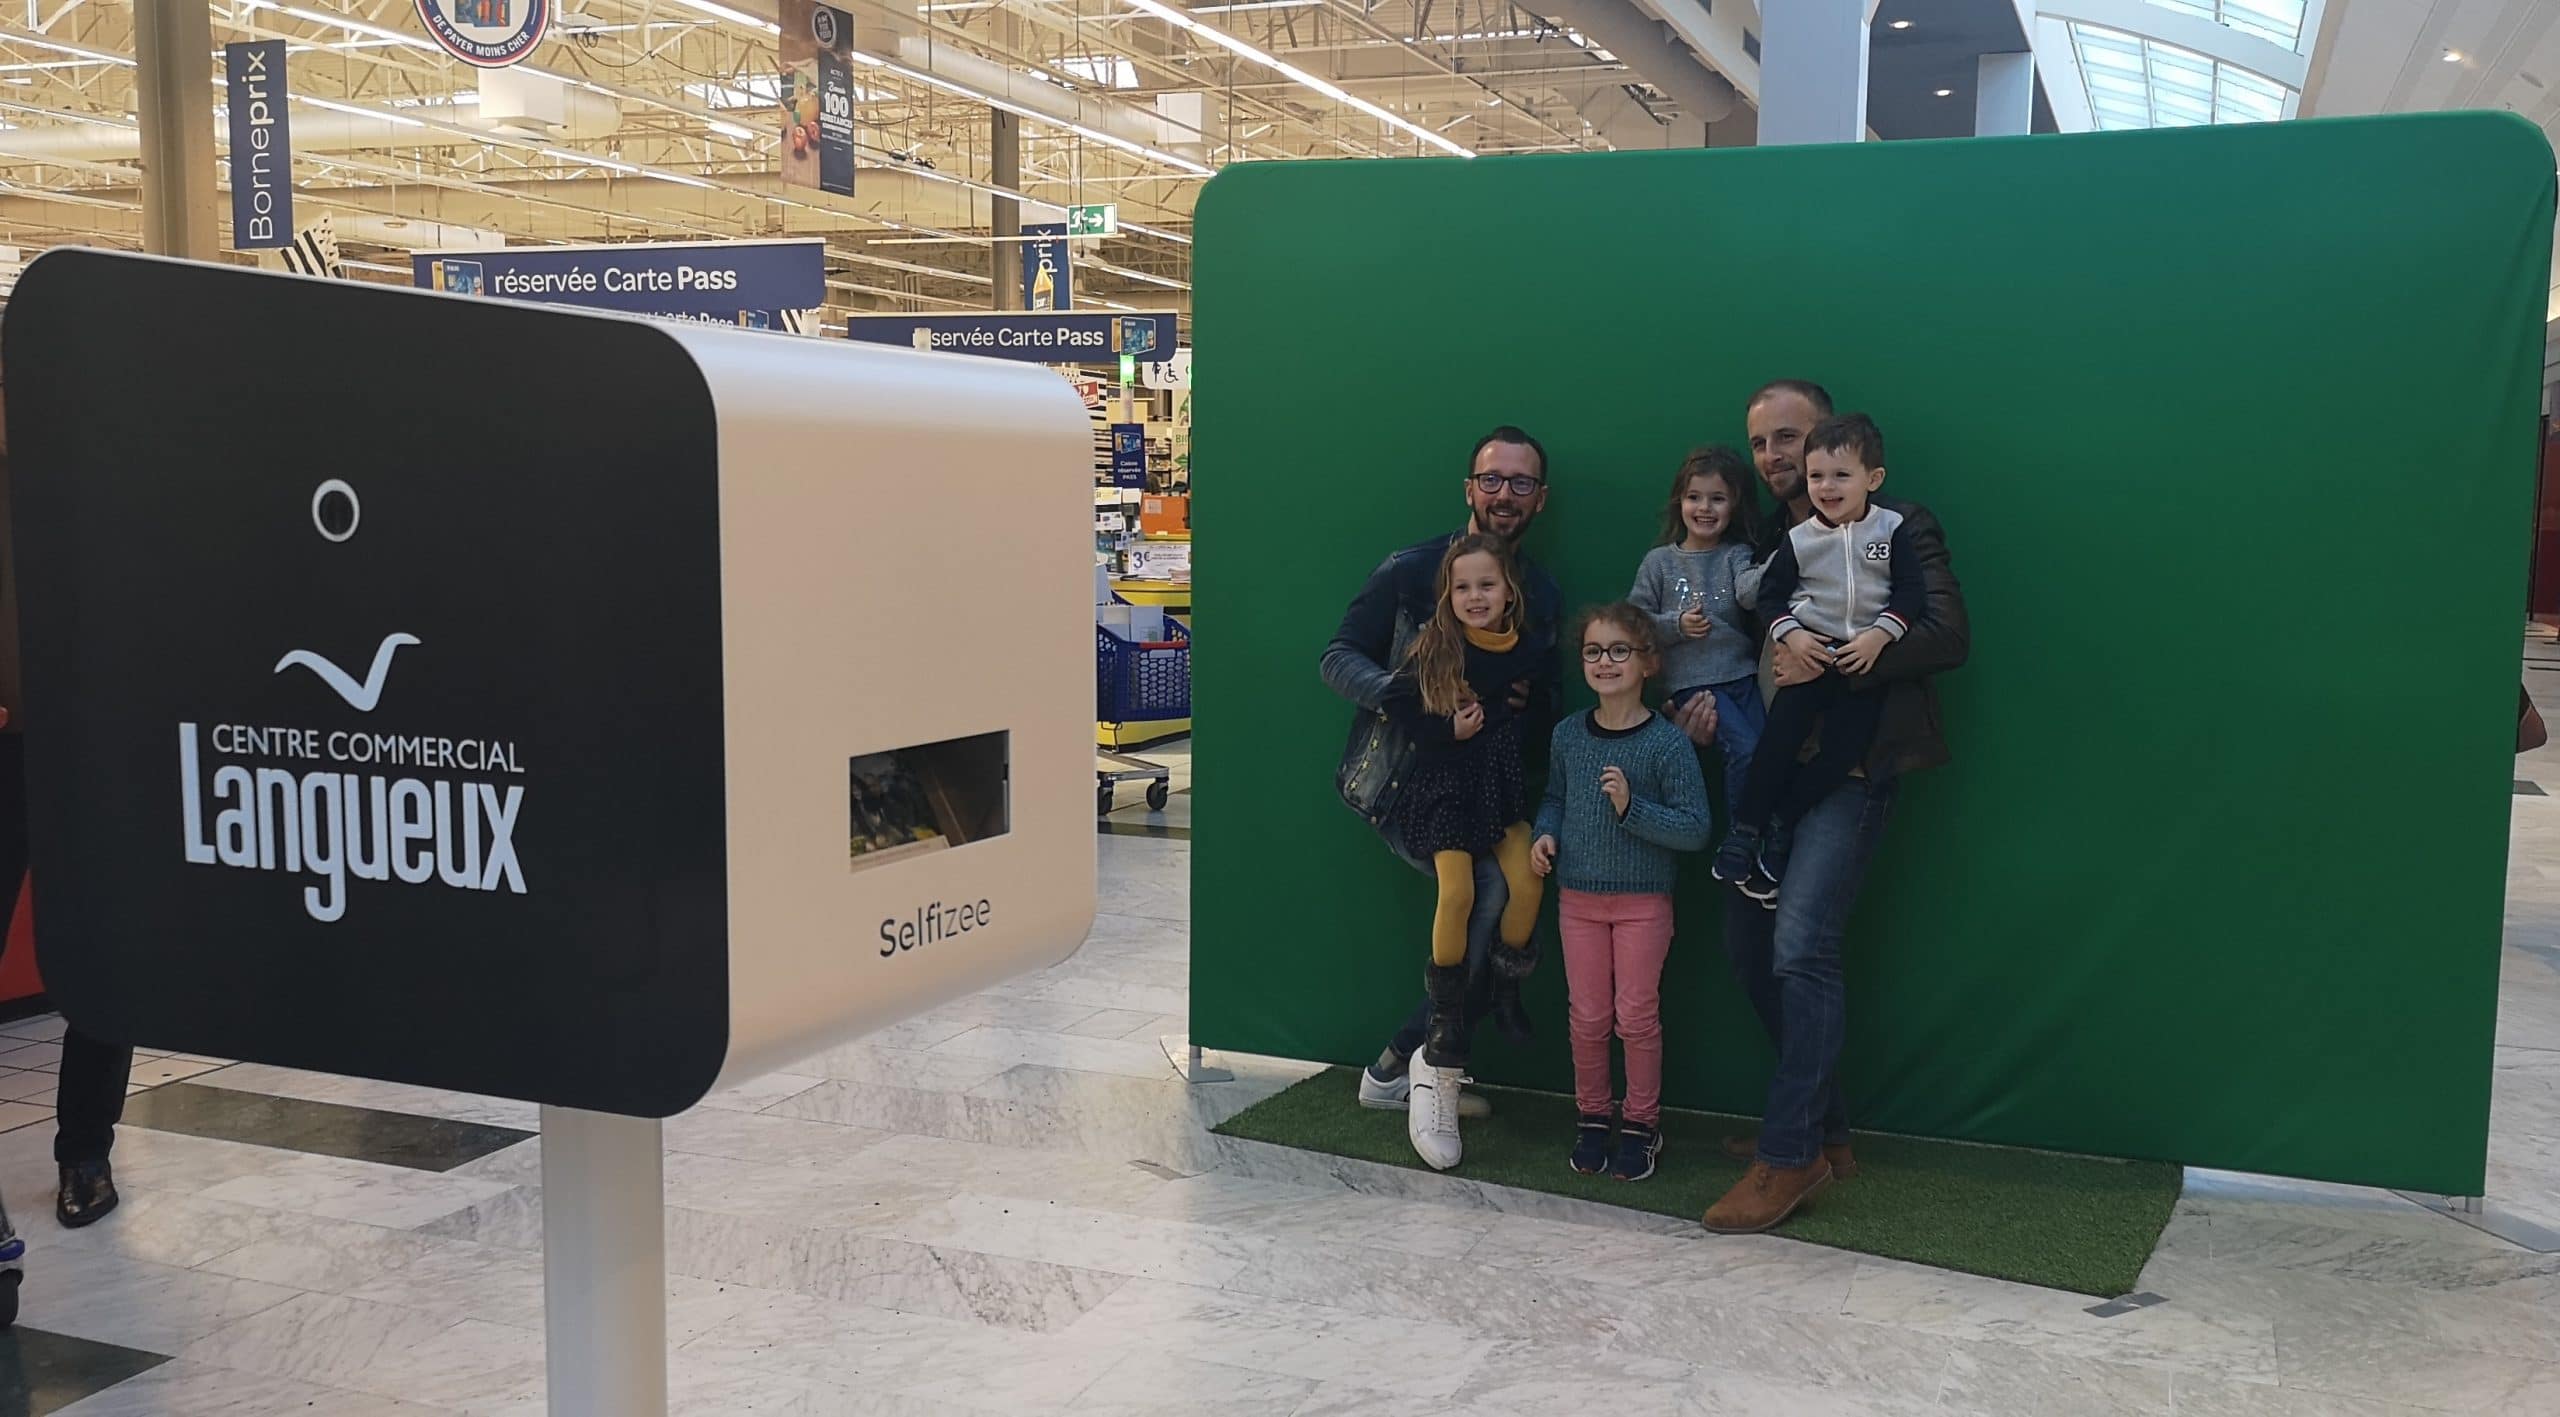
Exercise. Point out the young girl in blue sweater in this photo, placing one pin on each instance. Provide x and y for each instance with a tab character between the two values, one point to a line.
1625	798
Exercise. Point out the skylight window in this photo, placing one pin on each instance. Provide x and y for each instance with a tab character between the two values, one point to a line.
2135	82
2279	21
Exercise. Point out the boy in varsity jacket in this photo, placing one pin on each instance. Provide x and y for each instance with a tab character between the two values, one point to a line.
1844	579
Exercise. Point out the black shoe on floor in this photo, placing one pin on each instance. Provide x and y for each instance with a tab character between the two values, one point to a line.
88	1194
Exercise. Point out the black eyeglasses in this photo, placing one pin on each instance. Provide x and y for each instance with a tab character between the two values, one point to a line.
1521	483
1616	654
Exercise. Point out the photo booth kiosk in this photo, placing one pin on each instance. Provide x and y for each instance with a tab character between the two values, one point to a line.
565	707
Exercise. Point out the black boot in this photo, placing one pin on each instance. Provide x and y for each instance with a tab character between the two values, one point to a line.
87	1193
1512	964
1445	1045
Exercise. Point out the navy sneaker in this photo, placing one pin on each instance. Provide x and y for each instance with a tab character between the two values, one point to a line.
1638	1146
1590	1145
1768	868
1739	857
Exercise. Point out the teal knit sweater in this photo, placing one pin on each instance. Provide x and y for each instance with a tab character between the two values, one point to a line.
1596	850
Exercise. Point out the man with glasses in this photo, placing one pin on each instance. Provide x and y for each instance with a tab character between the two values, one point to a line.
1506	488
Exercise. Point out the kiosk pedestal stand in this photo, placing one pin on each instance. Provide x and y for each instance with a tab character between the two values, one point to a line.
604	1264
572	683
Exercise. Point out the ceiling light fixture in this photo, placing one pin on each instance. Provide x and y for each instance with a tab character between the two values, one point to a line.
1332	91
1901	24
1125	145
2453	56
84	51
345	22
350	109
728	129
737	17
1946	93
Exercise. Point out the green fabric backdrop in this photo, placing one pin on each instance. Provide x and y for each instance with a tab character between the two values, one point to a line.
2233	434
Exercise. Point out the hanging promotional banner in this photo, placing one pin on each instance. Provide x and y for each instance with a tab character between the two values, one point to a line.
261	146
718	279
487	34
1129	455
1047	281
817	97
1036	338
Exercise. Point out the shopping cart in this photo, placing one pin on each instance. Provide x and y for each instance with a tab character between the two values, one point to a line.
1139	681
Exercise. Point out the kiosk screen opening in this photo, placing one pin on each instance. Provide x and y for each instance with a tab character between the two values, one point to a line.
932	797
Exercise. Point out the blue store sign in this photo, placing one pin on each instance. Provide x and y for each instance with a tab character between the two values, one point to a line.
1039	339
721	278
261	146
1129	455
1048	278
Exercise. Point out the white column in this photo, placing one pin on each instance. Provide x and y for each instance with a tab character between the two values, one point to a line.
2004	95
604	1264
1813	71
173	105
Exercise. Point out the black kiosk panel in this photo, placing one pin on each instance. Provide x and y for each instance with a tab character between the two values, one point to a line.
373	680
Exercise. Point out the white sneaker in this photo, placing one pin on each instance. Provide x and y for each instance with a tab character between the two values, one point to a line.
1431	1116
1388	1094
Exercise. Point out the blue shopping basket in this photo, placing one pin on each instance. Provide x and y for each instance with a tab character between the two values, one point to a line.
1136	680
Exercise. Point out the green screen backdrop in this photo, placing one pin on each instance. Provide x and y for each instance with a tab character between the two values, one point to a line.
2233	435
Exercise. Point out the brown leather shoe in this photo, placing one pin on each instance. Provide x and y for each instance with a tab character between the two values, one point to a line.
1765	1196
1844	1162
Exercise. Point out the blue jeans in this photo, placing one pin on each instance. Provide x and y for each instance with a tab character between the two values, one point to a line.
1741	714
1788	963
1492	893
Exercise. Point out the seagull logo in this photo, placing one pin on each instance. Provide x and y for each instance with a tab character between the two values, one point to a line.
362	697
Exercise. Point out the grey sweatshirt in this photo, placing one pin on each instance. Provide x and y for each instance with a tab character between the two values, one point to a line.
1730	650
1597	850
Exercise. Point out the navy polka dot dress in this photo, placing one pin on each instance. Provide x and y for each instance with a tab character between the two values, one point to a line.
1464	796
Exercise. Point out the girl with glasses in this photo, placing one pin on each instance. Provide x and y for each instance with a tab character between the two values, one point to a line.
1625	797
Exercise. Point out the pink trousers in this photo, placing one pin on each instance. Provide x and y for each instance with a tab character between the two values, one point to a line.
1614	946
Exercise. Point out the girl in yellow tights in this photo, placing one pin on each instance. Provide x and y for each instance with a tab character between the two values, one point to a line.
1464	799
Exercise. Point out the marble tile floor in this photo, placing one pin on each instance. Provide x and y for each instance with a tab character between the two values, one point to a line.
1010	1205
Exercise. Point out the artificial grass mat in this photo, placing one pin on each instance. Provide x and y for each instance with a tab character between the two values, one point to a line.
2080	1223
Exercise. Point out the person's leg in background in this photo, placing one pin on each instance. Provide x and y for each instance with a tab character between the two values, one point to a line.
13	869
87	1104
1834	844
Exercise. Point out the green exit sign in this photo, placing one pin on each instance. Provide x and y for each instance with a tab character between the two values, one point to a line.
1099	219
